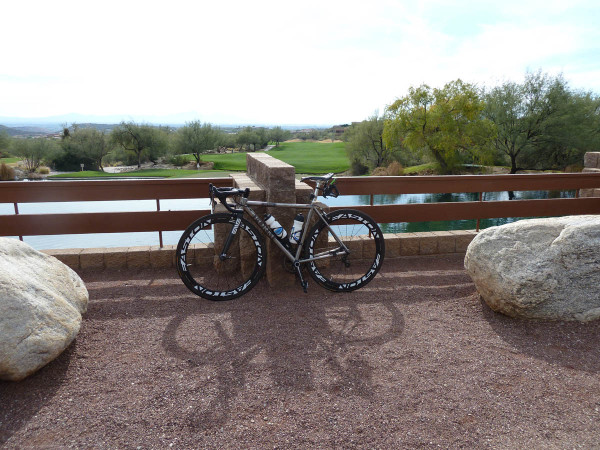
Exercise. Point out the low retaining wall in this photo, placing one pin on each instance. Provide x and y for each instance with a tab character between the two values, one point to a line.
396	245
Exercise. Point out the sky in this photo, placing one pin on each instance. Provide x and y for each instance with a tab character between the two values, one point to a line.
277	62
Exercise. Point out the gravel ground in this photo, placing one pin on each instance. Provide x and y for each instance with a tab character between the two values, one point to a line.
414	359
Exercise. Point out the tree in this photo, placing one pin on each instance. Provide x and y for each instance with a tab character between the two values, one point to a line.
34	151
365	142
89	143
140	140
196	138
279	135
4	141
542	122
568	134
262	137
446	123
248	137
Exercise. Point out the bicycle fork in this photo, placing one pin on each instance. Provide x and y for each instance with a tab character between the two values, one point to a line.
238	220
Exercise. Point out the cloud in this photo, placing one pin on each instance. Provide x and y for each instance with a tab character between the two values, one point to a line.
278	62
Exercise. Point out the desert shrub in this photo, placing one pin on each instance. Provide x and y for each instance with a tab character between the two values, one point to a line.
69	161
43	170
395	169
379	172
358	168
178	160
7	173
573	168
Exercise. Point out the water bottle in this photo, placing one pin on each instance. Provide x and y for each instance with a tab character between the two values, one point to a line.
275	226
296	230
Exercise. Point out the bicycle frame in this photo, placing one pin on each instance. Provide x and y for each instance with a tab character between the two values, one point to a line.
226	278
313	209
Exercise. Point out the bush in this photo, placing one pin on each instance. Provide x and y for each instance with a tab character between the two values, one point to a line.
392	170
573	168
179	160
395	169
358	168
379	172
6	173
69	161
43	170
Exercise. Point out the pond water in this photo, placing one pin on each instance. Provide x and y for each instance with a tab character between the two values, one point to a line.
172	237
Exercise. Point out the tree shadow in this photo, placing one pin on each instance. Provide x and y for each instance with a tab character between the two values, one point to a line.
21	400
573	345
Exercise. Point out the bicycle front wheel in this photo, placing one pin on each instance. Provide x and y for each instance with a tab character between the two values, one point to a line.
199	262
336	268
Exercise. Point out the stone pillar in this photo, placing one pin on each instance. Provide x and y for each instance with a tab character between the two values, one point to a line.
278	179
247	252
591	163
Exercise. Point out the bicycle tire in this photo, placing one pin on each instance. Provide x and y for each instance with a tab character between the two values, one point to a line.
201	269
345	272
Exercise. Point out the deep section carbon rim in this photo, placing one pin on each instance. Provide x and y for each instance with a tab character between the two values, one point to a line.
206	274
345	271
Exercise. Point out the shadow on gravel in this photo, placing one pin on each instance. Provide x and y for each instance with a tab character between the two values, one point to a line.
284	338
22	400
569	344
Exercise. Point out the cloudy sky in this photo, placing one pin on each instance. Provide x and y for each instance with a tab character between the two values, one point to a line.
277	62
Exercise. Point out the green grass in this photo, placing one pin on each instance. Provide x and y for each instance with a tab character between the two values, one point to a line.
419	168
158	173
306	157
9	160
226	161
313	157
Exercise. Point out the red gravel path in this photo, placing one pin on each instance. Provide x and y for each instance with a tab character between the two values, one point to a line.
415	359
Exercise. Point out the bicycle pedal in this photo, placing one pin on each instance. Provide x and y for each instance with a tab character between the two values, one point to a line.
303	283
304	286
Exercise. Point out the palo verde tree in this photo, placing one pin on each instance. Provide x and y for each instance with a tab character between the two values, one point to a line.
139	139
197	138
445	123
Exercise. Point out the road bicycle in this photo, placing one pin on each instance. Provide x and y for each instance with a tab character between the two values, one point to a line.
222	256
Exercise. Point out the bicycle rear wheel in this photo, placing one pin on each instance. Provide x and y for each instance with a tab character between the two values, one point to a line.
207	275
342	271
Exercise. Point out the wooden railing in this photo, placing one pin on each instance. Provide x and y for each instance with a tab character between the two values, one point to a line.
105	222
120	222
423	212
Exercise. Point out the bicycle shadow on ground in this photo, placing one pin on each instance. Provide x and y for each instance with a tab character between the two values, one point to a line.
22	400
572	345
282	339
273	345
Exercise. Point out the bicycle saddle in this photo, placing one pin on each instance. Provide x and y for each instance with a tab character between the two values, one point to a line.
323	178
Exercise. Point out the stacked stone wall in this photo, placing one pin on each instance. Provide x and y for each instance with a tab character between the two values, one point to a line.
591	163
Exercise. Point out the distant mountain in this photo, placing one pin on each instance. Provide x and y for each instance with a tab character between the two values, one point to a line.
24	131
55	124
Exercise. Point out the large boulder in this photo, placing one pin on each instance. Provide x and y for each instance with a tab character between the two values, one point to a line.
539	268
41	302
